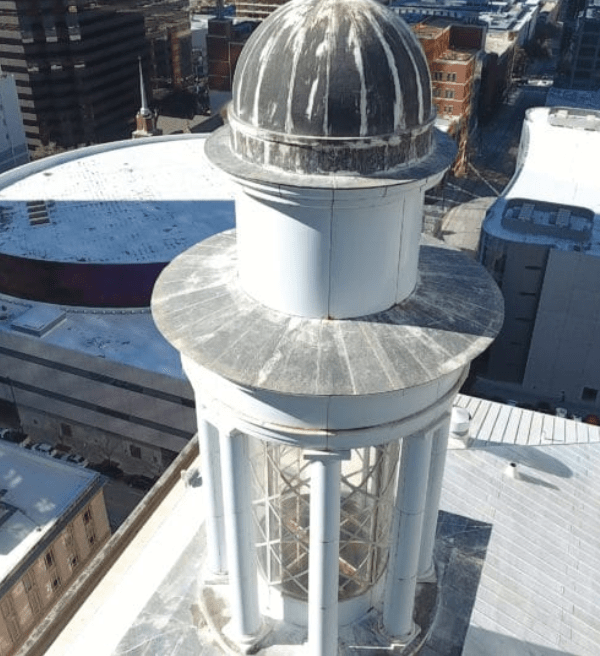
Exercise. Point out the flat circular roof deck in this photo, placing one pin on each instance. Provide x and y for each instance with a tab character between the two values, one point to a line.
95	226
453	315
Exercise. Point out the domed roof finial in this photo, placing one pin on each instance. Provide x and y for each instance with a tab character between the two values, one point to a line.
332	86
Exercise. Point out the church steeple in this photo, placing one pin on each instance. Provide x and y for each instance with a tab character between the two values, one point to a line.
145	118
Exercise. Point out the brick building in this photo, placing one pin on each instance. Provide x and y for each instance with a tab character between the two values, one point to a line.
224	43
53	521
451	52
170	40
256	9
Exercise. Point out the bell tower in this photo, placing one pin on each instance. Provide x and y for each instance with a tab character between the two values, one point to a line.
324	340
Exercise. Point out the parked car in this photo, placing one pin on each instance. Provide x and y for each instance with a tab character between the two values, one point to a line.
43	448
74	459
13	435
140	482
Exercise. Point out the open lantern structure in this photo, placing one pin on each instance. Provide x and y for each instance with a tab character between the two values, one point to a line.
324	342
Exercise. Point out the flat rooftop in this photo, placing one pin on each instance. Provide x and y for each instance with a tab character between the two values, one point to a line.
521	554
35	491
124	201
130	201
557	162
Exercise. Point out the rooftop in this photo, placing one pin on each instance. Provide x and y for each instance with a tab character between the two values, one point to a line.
36	491
106	204
502	16
556	162
141	213
519	555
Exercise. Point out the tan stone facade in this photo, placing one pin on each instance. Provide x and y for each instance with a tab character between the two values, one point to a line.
34	586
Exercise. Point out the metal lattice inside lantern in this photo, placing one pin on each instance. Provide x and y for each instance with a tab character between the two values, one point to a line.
281	508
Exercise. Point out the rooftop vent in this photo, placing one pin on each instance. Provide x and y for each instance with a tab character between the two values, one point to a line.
563	218
38	211
526	213
39	320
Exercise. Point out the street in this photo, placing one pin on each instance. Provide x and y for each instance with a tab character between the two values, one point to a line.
492	158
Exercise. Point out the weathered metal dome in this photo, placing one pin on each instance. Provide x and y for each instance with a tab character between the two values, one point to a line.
332	86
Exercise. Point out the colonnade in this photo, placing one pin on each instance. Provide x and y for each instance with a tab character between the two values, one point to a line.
231	547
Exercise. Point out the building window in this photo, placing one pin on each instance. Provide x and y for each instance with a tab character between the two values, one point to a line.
436	92
56	583
135	451
589	394
91	537
73	562
438	75
65	430
49	559
449	93
451	77
448	109
87	516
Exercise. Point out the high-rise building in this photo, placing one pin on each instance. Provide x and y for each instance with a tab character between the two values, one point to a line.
75	68
13	147
584	70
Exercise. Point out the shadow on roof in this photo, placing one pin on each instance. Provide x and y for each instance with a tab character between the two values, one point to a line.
460	550
528	456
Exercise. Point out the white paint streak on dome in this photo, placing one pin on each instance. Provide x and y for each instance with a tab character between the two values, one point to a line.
420	90
311	98
261	72
297	49
354	46
399	121
330	35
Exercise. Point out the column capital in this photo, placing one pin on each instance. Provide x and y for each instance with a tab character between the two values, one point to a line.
314	454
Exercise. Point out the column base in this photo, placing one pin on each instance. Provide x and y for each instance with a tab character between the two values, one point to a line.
246	644
399	643
214	578
210	577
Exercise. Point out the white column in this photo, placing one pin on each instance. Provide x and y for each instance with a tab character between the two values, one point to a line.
208	438
324	553
245	622
406	538
439	448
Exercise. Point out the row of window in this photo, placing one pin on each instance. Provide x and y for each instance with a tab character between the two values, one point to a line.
449	77
448	93
445	109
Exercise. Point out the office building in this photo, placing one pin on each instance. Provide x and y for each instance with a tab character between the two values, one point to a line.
539	240
13	146
75	68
